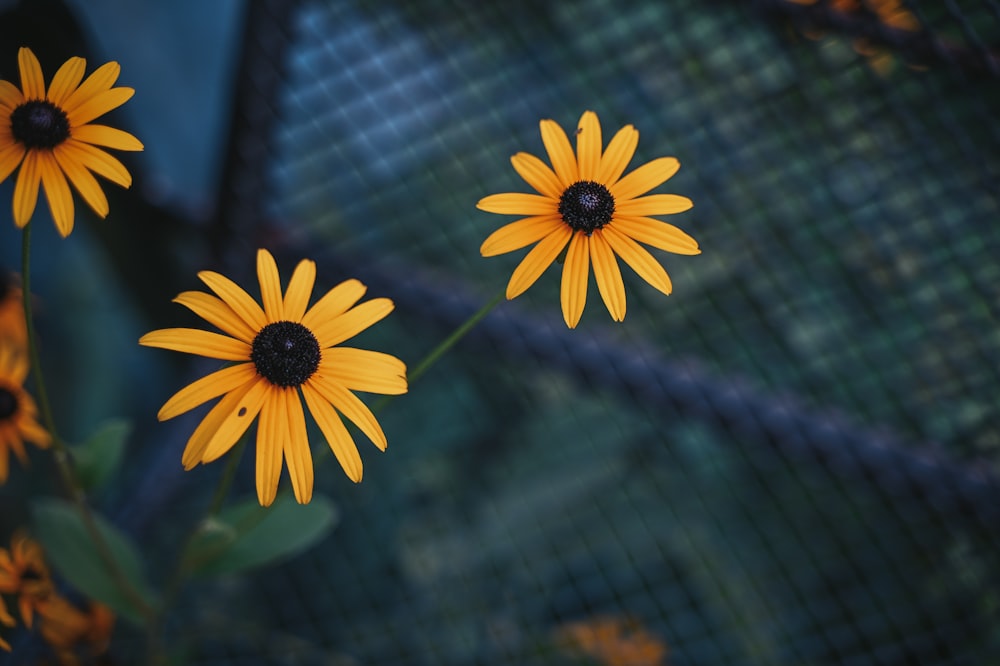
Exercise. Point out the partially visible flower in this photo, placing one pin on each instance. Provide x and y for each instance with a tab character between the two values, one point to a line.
49	133
24	574
7	620
13	329
279	351
18	414
69	629
583	202
613	641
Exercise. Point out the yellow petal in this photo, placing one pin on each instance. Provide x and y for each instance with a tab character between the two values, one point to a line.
350	406
296	446
56	192
576	270
195	341
271	434
238	418
270	286
522	233
537	174
83	181
352	322
209	426
11	155
98	105
364	370
235	297
645	178
588	146
618	154
109	137
337	437
519	203
99	81
66	80
299	290
11	97
654	204
215	311
659	234
32	80
97	161
26	189
641	261
334	303
560	153
607	275
537	260
208	387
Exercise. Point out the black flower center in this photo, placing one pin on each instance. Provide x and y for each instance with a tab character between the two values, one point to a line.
8	404
6	285
586	206
39	124
285	353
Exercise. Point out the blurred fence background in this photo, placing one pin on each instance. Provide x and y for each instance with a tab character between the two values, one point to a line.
793	459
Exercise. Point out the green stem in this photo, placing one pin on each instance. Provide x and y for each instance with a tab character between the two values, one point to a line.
60	450
176	580
431	358
450	341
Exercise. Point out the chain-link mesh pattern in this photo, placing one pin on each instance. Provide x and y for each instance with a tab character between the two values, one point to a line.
791	460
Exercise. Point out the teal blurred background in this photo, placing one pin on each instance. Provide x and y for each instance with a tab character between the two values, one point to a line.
790	460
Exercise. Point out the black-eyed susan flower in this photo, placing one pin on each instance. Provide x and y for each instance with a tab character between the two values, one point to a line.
13	328
585	204
279	352
18	413
49	133
25	574
612	641
71	630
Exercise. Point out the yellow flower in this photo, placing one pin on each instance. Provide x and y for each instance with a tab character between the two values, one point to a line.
50	135
279	351
67	628
13	328
24	573
613	641
18	414
585	203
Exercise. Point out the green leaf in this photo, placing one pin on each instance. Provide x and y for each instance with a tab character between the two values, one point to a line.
98	458
248	535
70	550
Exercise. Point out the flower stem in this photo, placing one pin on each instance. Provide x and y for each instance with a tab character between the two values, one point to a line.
61	452
175	582
450	341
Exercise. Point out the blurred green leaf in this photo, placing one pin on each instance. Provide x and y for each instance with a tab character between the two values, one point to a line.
69	548
247	535
98	458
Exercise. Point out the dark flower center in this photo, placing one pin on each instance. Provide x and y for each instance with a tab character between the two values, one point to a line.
285	353
8	404
39	124
586	206
6	285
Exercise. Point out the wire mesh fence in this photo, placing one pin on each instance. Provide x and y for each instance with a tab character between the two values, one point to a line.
790	460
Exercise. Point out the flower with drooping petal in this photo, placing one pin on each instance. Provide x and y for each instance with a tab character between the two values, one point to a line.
18	413
584	203
49	134
279	352
24	574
